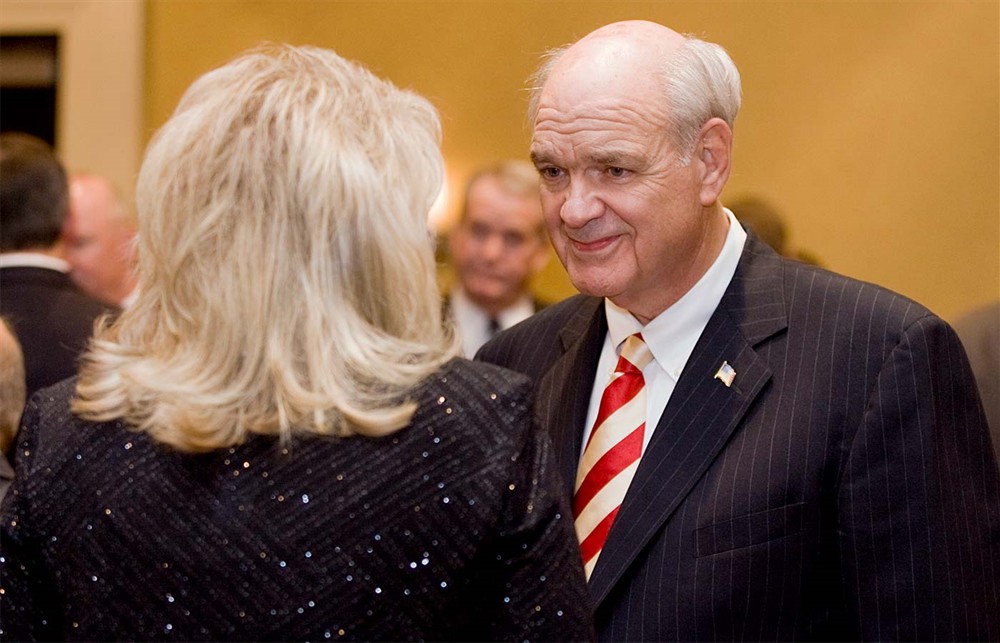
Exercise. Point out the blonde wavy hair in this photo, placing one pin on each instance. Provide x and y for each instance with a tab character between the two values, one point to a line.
286	269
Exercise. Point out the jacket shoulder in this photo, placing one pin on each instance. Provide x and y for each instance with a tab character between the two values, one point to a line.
811	288
531	346
482	400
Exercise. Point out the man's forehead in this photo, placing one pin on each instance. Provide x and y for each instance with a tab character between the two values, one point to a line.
602	97
513	212
611	152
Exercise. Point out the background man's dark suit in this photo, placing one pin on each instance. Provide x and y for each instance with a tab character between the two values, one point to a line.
52	319
842	488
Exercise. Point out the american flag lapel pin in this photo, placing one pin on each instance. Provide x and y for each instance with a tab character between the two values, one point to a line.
726	374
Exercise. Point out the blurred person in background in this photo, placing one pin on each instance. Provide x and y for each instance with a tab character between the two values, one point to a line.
768	223
276	441
979	330
100	239
51	318
12	394
498	245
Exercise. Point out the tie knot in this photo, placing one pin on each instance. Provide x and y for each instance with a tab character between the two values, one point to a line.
634	349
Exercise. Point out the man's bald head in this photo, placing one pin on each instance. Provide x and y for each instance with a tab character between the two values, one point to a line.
631	42
100	232
695	80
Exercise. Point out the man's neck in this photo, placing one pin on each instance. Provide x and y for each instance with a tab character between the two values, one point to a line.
494	308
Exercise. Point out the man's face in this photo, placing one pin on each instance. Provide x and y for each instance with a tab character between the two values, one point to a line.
622	208
498	245
98	245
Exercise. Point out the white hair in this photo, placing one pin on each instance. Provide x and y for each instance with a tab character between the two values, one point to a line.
287	271
700	82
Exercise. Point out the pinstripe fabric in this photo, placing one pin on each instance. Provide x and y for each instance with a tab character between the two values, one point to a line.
842	488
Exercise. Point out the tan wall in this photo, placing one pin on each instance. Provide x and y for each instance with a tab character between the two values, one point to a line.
100	98
874	126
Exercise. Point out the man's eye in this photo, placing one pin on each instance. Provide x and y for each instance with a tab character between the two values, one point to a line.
550	172
513	240
617	172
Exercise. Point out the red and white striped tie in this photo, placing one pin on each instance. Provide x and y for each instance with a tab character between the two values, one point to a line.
612	452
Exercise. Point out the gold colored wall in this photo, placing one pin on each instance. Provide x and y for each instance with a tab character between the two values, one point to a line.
872	125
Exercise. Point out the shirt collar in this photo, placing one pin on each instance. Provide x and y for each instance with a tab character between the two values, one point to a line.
32	260
518	311
672	335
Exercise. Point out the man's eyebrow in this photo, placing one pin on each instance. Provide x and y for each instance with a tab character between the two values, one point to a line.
611	157
608	157
539	158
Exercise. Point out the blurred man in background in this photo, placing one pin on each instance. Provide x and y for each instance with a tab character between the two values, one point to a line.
497	247
100	236
979	330
12	393
51	318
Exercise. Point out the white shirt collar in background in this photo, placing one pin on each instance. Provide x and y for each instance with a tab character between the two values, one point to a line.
473	322
32	260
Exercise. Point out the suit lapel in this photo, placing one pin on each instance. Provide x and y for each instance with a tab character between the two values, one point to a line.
702	413
568	383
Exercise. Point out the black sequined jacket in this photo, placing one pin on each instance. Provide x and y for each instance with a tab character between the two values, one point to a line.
450	529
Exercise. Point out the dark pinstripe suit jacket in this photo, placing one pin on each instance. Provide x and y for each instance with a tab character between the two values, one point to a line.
843	487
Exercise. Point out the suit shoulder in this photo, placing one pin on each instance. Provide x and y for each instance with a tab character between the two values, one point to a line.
489	405
51	433
475	378
812	286
537	336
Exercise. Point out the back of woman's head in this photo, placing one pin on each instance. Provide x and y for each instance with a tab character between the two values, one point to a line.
286	270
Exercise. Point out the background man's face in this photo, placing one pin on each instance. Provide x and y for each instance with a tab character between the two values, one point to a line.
98	244
498	245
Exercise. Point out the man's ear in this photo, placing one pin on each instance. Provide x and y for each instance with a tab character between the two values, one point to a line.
714	155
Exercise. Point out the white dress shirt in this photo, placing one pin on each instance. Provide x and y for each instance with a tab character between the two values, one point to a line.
474	324
671	335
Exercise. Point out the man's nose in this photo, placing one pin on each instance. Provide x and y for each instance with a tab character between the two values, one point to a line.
580	206
492	246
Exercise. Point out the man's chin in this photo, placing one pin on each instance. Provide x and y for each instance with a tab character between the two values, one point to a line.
488	298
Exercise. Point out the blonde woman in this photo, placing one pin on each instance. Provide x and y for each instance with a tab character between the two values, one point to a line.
276	441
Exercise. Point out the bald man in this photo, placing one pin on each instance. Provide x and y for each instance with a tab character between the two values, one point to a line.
100	235
756	448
